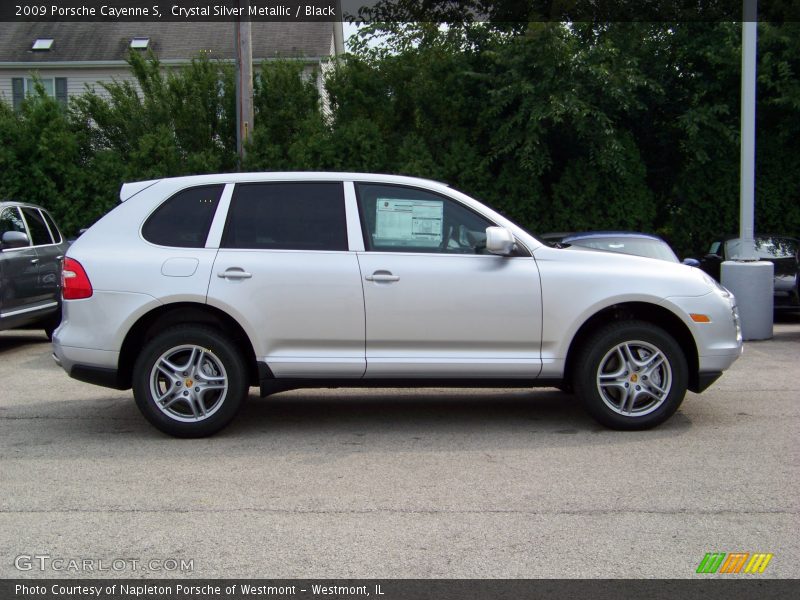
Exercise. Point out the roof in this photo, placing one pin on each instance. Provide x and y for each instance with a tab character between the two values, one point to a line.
7	203
762	236
603	234
110	42
132	188
564	236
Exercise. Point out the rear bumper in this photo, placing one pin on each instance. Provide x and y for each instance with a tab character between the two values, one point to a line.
98	367
103	376
98	376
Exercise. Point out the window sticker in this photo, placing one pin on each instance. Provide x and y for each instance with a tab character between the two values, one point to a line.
408	222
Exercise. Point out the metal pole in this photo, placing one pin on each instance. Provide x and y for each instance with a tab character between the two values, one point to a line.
338	32
750	280
244	80
748	132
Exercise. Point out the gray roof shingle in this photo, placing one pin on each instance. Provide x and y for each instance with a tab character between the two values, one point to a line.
170	41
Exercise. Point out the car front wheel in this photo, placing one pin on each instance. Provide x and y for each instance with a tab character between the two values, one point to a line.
190	381
631	375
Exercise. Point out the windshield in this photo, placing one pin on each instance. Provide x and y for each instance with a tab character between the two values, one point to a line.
646	247
768	248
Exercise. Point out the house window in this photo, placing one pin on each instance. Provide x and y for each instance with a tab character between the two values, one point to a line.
55	87
49	84
42	44
140	43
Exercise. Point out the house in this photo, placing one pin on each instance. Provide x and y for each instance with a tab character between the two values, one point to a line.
69	56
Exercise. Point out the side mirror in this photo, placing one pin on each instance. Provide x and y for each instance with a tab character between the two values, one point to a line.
499	240
692	262
14	239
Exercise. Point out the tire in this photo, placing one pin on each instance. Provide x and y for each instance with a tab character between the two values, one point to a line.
631	375
51	324
190	381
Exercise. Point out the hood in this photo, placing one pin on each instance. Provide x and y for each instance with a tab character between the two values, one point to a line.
659	277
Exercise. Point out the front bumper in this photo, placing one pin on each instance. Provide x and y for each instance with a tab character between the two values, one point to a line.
705	380
718	341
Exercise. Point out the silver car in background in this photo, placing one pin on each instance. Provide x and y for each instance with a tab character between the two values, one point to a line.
195	288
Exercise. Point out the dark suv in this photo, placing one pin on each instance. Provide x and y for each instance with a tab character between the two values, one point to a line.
31	252
782	251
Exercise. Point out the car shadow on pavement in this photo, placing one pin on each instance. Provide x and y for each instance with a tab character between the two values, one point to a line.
787	317
410	409
438	412
11	340
512	418
788	335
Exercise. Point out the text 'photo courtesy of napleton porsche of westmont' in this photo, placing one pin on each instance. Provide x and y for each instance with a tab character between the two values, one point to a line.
196	288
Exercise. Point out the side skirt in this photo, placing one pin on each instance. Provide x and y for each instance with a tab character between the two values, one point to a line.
270	385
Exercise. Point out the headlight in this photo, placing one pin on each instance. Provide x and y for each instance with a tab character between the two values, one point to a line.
721	289
736	322
724	292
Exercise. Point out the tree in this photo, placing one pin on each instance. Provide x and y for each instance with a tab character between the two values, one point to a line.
178	122
290	133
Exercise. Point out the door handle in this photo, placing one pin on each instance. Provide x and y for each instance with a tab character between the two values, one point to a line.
235	273
59	257
34	261
382	276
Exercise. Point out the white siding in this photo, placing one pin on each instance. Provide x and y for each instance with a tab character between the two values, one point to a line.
77	79
325	67
5	86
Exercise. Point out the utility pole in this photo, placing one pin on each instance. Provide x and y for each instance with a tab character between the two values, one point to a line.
244	79
338	32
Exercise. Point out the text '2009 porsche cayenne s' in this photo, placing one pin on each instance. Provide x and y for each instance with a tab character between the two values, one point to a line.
194	289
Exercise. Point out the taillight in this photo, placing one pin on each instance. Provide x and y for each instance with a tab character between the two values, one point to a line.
75	284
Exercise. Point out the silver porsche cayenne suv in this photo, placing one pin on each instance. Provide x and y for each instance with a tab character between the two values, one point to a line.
194	289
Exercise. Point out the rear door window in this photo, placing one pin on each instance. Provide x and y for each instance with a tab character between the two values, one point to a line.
287	216
39	233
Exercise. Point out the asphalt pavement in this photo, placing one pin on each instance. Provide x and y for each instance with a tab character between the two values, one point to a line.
397	483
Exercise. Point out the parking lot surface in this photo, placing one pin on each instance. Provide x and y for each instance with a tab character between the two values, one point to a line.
400	484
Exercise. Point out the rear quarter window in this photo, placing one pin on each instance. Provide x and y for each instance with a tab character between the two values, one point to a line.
57	238
183	221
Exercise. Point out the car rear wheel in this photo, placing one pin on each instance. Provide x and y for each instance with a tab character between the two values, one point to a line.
190	381
51	324
631	375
